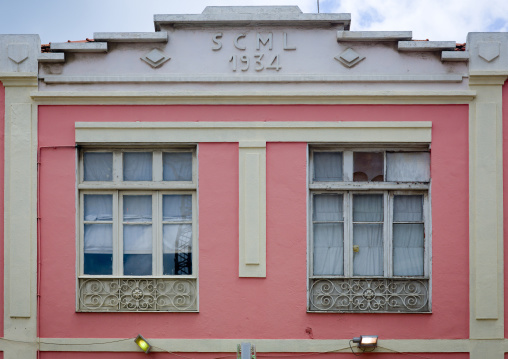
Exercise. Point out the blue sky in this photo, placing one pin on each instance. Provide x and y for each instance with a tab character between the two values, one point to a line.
58	20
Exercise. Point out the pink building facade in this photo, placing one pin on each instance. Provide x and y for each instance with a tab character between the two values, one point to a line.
253	177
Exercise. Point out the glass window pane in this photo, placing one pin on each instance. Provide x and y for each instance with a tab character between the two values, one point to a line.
368	166
408	208
137	264
408	166
328	249
368	208
98	166
98	249
177	166
98	207
177	249
328	166
137	249
177	207
137	166
137	208
408	250
368	258
328	207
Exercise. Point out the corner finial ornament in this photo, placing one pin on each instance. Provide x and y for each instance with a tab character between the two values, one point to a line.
488	50
17	52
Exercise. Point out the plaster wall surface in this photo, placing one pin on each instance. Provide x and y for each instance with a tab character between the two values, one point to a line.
259	308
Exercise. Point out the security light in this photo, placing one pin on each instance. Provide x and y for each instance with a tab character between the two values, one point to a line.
142	343
366	341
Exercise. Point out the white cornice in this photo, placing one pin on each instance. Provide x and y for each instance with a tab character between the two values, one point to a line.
253	97
295	78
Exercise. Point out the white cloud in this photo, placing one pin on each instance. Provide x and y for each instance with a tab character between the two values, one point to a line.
59	20
429	19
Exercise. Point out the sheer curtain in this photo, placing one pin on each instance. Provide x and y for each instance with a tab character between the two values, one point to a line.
328	235
137	166
98	236
328	166
408	166
408	238
98	166
137	238
177	166
368	236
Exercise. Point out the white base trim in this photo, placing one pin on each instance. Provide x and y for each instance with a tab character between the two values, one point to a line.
262	345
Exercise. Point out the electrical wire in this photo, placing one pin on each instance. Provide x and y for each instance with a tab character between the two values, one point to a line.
298	355
53	343
167	351
352	351
404	353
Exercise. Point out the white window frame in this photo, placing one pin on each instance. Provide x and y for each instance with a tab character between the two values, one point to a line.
118	188
347	188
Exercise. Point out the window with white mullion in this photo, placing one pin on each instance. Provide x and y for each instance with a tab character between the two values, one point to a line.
98	233
157	166
348	166
348	232
137	235
388	243
117	167
328	234
368	233
408	233
427	241
177	233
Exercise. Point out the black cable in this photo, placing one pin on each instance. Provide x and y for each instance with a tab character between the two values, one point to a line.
167	351
52	343
414	355
352	351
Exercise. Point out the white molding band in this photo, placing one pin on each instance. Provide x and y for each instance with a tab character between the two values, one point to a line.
262	345
252	97
223	78
291	131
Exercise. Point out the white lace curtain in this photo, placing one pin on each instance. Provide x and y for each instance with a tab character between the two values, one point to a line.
98	236
368	260
328	235
408	239
368	235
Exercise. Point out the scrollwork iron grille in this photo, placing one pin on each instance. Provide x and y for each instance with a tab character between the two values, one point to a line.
383	295
137	295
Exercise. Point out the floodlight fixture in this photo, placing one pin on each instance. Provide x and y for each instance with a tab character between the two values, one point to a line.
366	341
142	343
